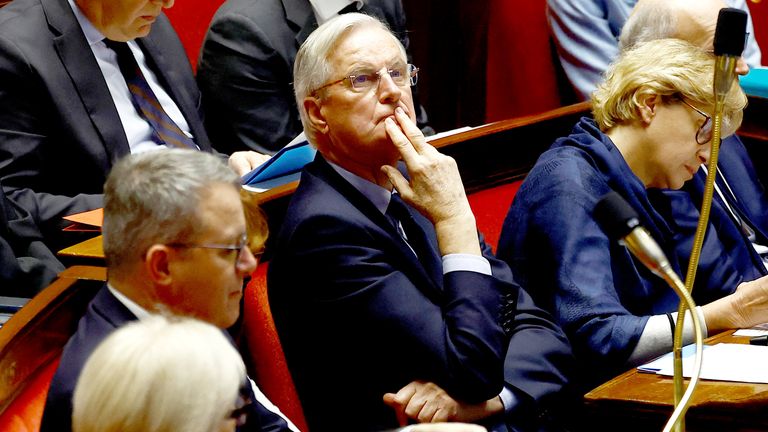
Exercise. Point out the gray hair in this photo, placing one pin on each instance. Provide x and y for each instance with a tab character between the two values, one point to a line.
159	374
312	69
650	20
154	197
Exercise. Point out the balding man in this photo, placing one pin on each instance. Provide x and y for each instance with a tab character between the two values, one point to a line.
586	34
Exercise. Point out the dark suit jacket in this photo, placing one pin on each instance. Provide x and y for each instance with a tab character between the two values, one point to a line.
359	315
246	69
26	264
59	129
104	315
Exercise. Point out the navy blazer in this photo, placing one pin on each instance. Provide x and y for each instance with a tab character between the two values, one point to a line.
359	315
597	291
104	315
60	132
246	69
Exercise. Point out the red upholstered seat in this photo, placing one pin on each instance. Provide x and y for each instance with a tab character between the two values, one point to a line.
191	19
523	74
264	353
490	207
26	411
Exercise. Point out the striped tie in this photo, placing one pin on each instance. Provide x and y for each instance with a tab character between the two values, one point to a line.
164	130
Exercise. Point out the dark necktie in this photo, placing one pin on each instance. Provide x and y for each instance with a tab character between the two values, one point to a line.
398	214
164	130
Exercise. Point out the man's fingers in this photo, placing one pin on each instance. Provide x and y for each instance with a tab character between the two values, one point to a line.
402	187
401	142
412	132
391	400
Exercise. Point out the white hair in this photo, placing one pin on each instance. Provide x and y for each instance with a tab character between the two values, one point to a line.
159	375
312	68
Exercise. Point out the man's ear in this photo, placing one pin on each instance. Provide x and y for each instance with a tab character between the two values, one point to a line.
157	265
648	104
315	115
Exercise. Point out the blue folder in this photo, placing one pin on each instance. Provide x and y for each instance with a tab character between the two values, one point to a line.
288	160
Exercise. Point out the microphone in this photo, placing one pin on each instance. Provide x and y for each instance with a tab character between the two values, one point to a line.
620	221
730	35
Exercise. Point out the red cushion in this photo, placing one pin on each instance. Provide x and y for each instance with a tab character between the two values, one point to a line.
191	19
490	207
25	413
521	73
262	345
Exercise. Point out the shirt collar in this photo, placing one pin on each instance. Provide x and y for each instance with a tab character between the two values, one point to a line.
131	305
92	34
327	9
376	194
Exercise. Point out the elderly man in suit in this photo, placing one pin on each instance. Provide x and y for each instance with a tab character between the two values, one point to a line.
381	282
246	66
75	99
167	250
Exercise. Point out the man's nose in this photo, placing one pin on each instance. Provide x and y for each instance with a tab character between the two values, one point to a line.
388	89
165	4
246	261
742	68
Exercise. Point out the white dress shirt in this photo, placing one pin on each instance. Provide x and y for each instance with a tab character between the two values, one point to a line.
137	130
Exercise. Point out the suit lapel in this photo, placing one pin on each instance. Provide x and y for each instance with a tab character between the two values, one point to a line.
301	18
81	66
428	274
173	77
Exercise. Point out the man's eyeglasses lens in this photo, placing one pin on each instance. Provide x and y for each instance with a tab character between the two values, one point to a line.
402	76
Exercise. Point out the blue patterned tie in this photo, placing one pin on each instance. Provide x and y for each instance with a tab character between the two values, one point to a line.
164	130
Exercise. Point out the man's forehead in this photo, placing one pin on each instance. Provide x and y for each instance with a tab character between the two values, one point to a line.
367	44
697	20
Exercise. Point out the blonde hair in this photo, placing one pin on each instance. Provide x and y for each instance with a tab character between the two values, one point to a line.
669	68
159	375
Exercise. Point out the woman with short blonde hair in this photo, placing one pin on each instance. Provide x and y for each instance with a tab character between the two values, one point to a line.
651	130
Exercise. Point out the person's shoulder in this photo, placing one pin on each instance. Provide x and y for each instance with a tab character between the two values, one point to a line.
21	17
256	11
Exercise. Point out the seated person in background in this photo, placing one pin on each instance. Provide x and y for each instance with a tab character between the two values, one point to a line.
739	192
71	108
377	280
586	34
649	132
162	374
245	71
175	241
26	264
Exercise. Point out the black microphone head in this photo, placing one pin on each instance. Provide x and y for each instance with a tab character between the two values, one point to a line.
731	32
615	215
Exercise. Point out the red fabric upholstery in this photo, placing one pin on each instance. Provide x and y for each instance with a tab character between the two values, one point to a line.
267	361
490	207
26	411
521	73
191	19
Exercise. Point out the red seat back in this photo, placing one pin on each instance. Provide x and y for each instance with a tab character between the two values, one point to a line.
490	207
264	353
523	74
25	413
191	19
